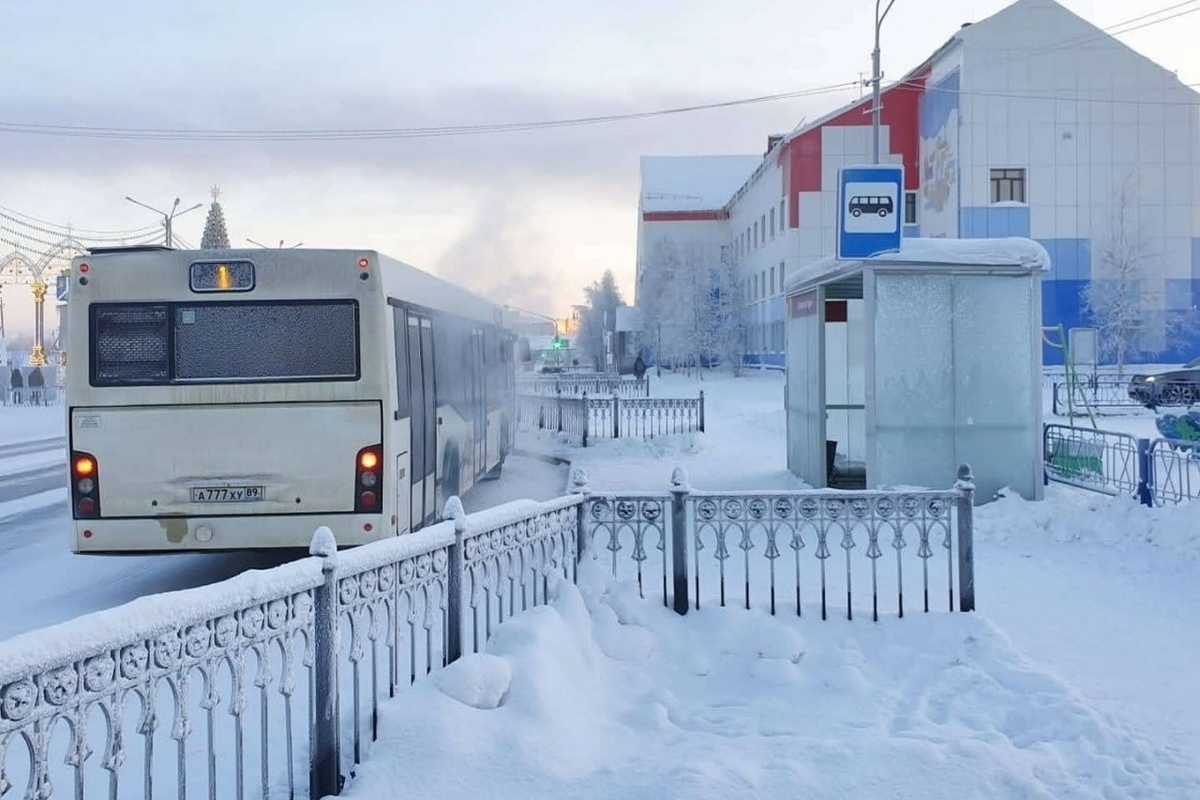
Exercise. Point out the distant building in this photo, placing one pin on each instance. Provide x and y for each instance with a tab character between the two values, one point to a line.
1032	122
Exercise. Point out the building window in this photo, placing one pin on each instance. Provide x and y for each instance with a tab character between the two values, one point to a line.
772	223
762	284
764	228
772	280
1008	185
781	216
910	208
781	276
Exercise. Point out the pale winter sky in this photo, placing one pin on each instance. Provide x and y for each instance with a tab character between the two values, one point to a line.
528	217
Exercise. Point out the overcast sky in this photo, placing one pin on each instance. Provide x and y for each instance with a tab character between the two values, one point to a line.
527	218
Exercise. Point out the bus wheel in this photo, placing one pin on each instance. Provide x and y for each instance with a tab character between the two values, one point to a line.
452	469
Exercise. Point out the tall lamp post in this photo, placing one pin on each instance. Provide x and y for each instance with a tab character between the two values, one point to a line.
877	78
168	218
553	321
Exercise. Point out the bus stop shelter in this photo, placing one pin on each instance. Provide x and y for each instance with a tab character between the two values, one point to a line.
905	364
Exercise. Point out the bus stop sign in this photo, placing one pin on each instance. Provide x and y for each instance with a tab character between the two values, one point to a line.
870	210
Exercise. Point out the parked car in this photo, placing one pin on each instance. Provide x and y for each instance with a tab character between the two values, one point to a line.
1176	387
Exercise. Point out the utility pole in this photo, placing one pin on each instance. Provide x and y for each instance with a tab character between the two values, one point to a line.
877	79
168	218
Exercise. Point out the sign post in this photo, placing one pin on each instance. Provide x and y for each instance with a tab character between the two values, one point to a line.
870	210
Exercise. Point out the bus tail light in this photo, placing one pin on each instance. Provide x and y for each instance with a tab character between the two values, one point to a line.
368	478
85	485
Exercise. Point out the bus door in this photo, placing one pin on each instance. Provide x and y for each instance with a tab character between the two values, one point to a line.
406	465
479	399
424	419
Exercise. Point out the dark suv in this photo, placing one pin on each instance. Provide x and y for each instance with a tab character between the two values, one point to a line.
1176	387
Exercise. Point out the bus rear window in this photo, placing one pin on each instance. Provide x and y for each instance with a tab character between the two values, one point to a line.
154	344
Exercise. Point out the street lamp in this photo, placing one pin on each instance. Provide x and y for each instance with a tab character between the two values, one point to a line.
877	78
167	218
552	320
263	246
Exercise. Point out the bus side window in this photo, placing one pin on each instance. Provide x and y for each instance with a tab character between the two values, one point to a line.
400	323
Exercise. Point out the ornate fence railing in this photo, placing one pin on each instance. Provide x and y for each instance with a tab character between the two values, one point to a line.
585	418
32	396
1154	471
691	539
592	386
268	684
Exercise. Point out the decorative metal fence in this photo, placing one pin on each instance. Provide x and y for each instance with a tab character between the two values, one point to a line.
276	677
689	539
1156	472
593	386
586	418
269	684
1105	394
32	396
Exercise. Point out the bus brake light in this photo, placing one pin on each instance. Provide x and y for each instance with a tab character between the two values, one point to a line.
85	486
368	475
84	466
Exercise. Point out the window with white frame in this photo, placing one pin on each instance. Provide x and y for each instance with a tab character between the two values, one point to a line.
772	223
1008	185
772	284
781	217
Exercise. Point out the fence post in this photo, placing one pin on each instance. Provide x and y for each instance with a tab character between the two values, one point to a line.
616	416
587	418
1054	398
454	580
966	538
1145	487
702	411
324	763
679	562
579	486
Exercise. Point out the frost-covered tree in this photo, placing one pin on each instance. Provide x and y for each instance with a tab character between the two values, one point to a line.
1114	295
690	304
215	236
598	317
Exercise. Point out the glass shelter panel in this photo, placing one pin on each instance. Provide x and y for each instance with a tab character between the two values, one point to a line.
998	425
805	386
845	393
914	380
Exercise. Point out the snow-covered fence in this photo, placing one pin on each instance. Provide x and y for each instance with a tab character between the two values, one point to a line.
1156	472
690	539
269	682
587	418
591	385
644	417
1098	395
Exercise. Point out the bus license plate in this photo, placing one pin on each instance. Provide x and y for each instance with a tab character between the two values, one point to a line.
226	494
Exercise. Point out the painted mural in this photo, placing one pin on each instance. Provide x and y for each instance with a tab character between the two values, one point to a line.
939	158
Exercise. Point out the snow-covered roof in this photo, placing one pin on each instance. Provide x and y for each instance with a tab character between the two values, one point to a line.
1014	251
693	183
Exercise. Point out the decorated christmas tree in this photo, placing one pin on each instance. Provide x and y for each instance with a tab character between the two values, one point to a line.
215	236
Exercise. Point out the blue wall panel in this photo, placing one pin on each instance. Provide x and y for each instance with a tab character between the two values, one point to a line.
983	222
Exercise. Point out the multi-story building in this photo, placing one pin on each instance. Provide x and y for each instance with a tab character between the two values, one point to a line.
1032	122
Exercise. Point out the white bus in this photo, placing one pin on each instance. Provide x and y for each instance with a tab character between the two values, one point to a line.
239	399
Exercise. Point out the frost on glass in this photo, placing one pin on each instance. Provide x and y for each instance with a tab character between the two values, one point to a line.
266	341
806	444
997	424
914	384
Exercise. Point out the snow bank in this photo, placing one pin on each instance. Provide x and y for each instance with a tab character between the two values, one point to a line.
601	695
28	423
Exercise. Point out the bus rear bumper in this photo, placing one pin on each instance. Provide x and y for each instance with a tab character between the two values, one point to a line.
191	534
